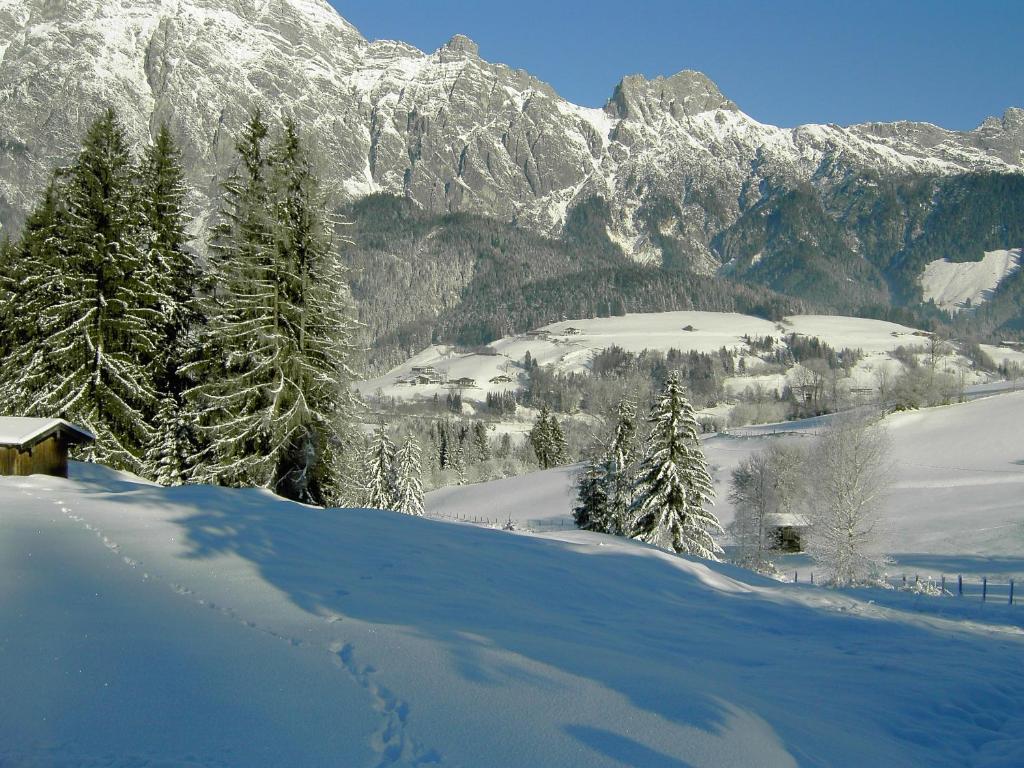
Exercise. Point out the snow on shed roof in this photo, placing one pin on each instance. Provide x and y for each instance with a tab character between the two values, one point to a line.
22	431
786	520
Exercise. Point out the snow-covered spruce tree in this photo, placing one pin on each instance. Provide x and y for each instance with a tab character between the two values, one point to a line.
8	289
592	511
848	480
379	475
177	277
280	407
540	438
481	445
408	480
548	440
458	464
30	278
619	475
559	446
95	312
673	487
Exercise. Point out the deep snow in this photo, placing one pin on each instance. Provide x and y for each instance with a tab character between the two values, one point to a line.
202	626
951	285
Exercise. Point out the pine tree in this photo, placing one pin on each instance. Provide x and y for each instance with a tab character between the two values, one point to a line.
281	408
177	275
168	459
408	484
380	490
95	305
592	511
674	486
8	290
459	464
481	445
619	469
548	440
32	276
559	447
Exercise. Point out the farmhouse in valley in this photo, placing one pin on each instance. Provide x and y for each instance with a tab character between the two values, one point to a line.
38	446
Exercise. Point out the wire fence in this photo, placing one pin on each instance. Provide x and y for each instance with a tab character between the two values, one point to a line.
972	588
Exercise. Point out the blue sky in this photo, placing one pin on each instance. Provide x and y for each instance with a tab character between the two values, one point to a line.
950	62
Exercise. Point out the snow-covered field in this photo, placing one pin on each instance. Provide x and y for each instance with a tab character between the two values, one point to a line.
951	285
954	507
142	626
569	345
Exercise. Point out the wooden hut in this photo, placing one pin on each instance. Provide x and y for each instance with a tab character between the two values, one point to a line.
38	446
785	531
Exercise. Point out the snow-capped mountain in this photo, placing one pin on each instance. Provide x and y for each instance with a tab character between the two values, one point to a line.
448	129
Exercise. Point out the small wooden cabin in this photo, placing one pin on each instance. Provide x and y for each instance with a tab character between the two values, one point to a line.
785	531
38	446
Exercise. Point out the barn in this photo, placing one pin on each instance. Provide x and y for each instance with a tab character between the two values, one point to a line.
38	446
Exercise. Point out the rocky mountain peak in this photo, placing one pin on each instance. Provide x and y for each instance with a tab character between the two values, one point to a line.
450	131
682	95
458	47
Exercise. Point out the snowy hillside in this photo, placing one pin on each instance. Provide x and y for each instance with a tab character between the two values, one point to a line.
955	285
142	626
569	345
954	506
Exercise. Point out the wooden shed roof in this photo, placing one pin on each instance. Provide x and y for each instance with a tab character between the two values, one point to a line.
23	432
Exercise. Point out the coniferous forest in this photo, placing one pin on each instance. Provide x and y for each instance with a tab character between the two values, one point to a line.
237	371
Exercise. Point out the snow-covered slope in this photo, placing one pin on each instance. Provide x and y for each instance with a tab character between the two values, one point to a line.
958	479
952	284
569	345
448	129
954	506
202	627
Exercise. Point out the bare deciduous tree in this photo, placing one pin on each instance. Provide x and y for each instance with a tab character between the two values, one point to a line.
849	476
770	482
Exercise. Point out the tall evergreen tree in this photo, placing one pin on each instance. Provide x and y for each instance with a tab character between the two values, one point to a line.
177	275
674	487
481	445
408	482
280	410
94	303
619	469
548	439
380	472
32	276
592	511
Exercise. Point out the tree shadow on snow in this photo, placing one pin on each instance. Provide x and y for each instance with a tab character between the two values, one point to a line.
621	748
645	627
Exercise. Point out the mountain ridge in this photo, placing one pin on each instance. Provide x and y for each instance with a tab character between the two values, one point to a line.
676	160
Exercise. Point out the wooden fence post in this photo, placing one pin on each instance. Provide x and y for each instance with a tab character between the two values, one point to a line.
1011	591
960	585
984	588
796	576
943	583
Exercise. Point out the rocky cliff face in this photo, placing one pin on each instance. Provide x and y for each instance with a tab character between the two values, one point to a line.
677	161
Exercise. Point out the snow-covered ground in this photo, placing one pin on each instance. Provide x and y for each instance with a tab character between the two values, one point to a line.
142	626
958	476
954	506
952	284
569	345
